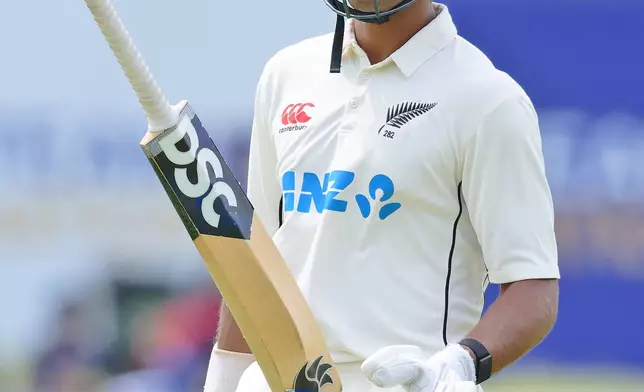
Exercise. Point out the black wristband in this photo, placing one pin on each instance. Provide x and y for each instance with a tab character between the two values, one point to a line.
482	361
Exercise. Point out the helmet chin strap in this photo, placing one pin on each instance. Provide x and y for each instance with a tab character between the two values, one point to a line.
338	43
338	38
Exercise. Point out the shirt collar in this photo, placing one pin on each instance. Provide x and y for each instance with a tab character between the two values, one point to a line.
430	40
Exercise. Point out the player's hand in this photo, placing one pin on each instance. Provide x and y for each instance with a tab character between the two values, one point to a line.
451	370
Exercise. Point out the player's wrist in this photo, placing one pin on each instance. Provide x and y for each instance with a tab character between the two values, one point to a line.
469	351
460	360
225	369
482	359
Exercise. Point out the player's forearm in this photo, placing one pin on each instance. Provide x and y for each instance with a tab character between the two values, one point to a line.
229	337
518	320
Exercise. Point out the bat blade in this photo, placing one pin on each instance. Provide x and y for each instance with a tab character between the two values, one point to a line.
245	264
241	257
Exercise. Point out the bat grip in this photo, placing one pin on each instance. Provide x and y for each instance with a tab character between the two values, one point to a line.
161	115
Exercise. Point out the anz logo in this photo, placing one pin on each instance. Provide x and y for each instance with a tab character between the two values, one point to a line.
327	194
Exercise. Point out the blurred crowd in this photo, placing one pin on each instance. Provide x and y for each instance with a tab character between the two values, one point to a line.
163	344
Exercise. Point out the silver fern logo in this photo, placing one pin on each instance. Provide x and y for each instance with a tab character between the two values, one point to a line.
313	377
401	114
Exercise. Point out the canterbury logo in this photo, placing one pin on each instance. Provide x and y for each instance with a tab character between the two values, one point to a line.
295	114
311	378
401	114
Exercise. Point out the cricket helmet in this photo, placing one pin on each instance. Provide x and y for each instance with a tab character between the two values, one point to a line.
345	10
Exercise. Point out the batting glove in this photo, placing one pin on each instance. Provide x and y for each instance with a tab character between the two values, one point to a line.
450	370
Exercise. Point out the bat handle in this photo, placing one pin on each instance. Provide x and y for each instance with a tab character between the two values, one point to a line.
161	115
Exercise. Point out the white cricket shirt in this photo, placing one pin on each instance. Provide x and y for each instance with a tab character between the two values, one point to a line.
395	191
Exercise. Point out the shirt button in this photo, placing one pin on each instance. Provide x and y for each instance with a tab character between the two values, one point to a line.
365	76
354	104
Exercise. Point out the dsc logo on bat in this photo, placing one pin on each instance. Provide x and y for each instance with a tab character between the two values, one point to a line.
204	158
202	183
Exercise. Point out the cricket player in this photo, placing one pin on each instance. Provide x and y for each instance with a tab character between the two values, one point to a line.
397	186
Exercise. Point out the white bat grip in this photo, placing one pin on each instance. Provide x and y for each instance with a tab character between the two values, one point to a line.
161	115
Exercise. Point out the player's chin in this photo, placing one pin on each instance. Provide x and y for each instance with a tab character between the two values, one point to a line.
368	5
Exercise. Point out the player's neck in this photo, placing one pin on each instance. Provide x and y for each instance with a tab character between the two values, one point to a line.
379	41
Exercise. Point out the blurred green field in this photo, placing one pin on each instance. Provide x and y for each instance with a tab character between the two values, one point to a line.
544	381
578	382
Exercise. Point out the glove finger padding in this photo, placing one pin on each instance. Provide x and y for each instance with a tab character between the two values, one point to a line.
458	386
451	382
394	365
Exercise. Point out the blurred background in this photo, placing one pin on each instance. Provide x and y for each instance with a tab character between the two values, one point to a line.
101	288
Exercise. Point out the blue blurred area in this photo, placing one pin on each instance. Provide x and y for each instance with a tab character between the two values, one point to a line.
582	63
568	53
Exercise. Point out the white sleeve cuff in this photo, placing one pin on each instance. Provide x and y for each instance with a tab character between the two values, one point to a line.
521	272
225	369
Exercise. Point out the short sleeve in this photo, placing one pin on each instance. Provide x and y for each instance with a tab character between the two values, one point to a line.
507	194
264	190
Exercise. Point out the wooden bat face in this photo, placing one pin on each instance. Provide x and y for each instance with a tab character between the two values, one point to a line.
245	264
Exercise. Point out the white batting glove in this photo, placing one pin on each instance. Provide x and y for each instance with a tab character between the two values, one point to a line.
450	370
225	369
452	383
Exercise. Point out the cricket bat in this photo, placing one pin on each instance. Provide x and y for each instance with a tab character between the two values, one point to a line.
241	257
